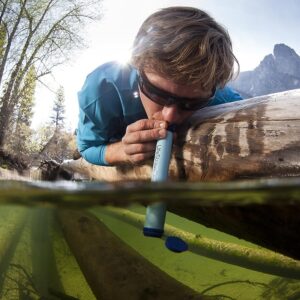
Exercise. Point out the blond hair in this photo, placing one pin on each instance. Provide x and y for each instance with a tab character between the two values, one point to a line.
187	46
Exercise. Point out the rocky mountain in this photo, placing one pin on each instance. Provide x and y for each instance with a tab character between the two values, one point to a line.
277	72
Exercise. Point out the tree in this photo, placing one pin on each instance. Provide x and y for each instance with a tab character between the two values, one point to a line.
40	33
62	144
58	118
2	41
20	132
26	101
59	147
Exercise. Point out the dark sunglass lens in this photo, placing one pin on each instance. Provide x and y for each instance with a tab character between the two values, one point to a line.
165	99
194	105
151	95
150	91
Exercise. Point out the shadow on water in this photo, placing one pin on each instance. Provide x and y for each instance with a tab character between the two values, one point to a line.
61	243
11	242
43	264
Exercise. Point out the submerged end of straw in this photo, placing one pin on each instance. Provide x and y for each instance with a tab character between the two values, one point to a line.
153	232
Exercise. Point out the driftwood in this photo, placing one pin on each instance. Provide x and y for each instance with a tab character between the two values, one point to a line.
113	269
11	175
254	138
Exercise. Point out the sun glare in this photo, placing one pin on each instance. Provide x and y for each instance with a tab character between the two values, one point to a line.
123	55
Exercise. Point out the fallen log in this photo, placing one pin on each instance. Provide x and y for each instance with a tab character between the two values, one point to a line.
253	138
257	259
73	282
113	269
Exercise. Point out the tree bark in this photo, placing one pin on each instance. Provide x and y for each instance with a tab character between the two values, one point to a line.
254	138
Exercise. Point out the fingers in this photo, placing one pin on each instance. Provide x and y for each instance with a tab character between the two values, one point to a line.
141	157
139	141
145	131
144	136
137	153
140	148
146	124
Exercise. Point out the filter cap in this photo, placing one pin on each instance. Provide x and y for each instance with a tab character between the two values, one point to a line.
176	244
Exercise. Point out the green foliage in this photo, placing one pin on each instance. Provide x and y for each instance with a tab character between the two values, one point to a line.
282	288
19	132
59	146
26	102
53	141
40	33
57	117
2	40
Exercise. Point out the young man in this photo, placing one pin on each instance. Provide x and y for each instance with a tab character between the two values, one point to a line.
181	61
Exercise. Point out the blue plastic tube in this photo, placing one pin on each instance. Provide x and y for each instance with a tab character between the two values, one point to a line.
156	213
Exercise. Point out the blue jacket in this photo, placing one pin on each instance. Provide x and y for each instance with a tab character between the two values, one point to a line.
109	102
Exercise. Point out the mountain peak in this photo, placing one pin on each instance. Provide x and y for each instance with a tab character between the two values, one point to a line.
268	61
282	50
277	72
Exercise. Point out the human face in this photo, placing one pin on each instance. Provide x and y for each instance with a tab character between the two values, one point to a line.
165	100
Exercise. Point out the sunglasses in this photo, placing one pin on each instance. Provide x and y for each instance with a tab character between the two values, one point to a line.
164	98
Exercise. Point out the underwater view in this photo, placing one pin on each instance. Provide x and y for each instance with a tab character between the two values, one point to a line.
76	240
149	150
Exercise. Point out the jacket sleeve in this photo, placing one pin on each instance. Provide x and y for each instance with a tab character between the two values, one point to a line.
90	142
225	95
100	114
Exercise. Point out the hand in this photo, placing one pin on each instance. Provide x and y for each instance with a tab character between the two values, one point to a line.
138	143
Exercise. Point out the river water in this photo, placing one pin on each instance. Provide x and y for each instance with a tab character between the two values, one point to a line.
83	240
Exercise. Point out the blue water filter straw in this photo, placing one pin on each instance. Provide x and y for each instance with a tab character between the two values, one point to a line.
156	213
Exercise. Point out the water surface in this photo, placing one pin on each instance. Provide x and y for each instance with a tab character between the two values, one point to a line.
37	260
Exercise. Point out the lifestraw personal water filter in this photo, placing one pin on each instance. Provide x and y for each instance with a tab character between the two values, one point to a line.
156	213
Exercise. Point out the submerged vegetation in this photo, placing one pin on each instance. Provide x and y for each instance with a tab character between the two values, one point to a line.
48	252
42	258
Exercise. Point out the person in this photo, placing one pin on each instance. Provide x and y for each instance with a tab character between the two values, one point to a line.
181	61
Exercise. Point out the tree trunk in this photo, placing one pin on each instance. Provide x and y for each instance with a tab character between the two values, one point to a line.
4	121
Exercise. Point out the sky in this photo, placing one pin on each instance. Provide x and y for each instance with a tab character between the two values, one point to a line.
254	26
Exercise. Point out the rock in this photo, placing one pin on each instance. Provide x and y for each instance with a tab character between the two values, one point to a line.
277	72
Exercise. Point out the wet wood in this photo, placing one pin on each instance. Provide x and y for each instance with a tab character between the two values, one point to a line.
11	175
257	259
254	138
113	269
275	227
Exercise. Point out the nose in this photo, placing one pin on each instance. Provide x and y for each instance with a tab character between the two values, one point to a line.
171	114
